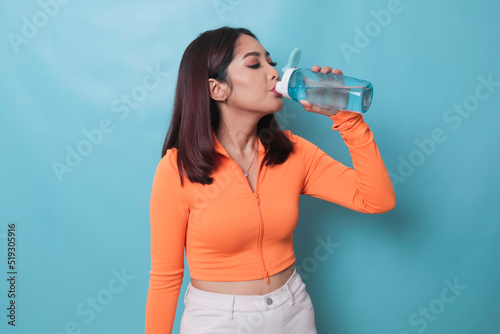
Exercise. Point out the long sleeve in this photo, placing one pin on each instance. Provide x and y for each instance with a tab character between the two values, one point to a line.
168	218
366	187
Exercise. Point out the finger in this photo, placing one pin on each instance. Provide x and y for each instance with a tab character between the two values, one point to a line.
308	106
337	71
326	69
316	68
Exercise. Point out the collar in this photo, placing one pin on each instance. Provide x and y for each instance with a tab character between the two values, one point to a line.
220	149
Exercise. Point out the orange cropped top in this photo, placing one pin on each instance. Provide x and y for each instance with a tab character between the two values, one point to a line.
231	233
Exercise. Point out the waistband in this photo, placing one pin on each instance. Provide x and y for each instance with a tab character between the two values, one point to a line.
286	292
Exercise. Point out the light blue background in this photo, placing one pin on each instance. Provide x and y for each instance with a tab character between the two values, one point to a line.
76	233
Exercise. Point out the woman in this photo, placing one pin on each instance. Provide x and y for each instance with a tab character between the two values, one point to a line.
227	189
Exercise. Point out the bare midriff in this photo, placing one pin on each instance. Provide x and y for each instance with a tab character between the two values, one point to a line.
253	287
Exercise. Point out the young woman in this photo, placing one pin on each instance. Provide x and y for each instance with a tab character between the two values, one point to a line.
227	190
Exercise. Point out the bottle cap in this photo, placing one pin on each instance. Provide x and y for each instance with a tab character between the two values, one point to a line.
282	86
293	61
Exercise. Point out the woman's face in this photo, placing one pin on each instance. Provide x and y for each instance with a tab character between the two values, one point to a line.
253	78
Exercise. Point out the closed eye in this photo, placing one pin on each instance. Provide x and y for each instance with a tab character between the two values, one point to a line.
258	65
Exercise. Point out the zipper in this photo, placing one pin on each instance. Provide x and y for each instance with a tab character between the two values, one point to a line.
261	223
261	237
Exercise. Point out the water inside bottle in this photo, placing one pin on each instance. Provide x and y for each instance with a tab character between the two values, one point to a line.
354	98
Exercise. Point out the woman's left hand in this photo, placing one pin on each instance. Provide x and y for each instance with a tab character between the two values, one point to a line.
308	106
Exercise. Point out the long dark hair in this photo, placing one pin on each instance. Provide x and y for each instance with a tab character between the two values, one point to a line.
191	125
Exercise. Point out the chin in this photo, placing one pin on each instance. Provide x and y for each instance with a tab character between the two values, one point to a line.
272	111
278	107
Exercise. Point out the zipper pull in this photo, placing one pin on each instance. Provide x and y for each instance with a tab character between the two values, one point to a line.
266	275
257	198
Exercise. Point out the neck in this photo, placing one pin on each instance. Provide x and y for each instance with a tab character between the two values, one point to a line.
239	134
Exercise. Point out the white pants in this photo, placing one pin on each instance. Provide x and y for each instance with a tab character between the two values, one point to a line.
287	310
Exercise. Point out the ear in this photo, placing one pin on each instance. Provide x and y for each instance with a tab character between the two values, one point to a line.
219	91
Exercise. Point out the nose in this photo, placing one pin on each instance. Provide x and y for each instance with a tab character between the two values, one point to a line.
274	74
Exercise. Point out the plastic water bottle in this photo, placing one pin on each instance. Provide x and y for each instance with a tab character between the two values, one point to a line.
326	90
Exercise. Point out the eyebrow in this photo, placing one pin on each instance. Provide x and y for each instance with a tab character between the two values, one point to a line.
254	53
